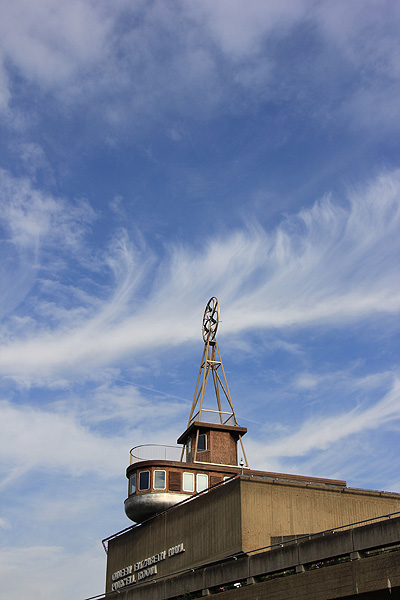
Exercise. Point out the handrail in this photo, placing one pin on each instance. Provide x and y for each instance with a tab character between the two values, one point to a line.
155	452
214	412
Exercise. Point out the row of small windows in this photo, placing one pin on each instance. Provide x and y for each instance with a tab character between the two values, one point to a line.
159	481
188	482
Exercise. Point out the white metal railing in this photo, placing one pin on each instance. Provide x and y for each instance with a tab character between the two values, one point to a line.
155	452
213	416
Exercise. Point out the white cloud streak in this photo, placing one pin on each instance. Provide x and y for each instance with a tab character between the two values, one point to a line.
67	435
33	438
328	264
319	434
33	221
33	218
330	445
216	54
49	42
25	572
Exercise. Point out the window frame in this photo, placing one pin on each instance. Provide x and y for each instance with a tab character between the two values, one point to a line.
203	436
184	488
202	475
154	479
139	488
189	449
132	477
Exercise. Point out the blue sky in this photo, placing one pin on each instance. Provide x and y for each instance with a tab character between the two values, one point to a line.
155	154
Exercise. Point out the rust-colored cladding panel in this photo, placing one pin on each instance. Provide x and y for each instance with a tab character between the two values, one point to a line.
222	447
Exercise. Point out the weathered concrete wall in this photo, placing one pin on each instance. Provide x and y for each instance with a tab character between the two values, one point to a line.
242	515
368	579
272	509
359	573
209	528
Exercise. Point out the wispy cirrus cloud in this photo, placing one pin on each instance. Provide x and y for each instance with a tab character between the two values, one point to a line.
212	140
34	219
65	564
216	56
335	262
36	438
49	43
100	424
32	222
319	439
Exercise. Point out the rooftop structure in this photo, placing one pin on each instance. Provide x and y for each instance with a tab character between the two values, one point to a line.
161	476
207	523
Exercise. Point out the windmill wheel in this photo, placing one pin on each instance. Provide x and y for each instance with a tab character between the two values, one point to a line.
211	320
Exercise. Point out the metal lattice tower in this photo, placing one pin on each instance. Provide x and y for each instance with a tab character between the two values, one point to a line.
211	363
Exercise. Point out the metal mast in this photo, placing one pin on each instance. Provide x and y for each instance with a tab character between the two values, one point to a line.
211	362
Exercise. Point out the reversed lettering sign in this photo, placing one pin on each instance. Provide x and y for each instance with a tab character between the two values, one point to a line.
143	568
150	561
176	550
120	583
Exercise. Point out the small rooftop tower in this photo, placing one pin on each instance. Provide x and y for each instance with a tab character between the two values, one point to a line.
211	436
162	476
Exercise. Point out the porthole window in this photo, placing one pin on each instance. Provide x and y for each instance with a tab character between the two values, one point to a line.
132	483
159	480
202	443
201	482
144	480
188	482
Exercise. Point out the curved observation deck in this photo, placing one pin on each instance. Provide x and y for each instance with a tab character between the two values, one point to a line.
161	476
154	477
